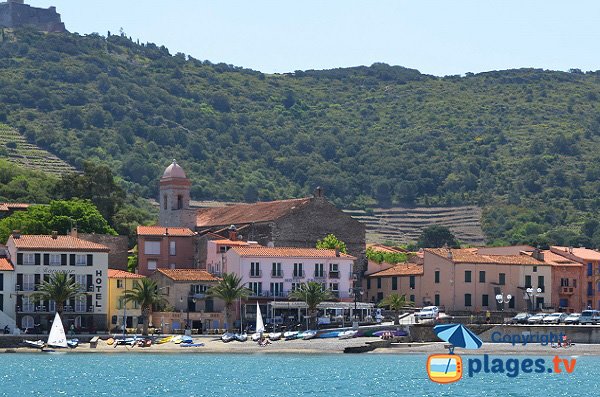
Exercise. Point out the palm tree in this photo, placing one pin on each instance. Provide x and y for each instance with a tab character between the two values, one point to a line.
146	294
312	293
229	289
59	288
396	303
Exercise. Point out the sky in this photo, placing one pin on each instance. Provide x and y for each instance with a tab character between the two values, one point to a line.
436	37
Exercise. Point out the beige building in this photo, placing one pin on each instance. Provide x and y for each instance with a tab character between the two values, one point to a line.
401	279
120	311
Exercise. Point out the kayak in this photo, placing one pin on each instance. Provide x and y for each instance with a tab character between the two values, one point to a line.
166	339
191	345
330	334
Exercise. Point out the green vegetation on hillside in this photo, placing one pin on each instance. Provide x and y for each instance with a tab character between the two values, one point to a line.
521	143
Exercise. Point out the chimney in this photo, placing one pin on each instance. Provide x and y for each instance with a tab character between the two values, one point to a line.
570	249
54	234
232	232
450	254
318	192
337	252
74	232
16	234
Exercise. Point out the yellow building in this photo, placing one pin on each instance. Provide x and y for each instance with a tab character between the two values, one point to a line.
118	282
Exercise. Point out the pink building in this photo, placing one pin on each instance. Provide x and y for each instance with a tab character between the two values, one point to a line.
402	279
590	260
216	260
164	248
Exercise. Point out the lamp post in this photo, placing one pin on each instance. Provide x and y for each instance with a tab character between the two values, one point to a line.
501	299
532	293
358	292
187	321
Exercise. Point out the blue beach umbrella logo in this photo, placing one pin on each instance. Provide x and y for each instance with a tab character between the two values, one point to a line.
458	335
448	368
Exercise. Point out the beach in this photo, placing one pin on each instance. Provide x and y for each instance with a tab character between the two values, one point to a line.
326	346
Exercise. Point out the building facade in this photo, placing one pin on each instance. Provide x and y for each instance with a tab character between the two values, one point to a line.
7	296
590	260
36	257
164	248
402	279
119	311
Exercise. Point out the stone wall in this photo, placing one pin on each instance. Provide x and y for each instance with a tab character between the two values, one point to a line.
118	246
16	14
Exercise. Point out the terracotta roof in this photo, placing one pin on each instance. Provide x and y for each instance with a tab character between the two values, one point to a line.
188	275
247	213
5	265
231	243
289	252
114	273
583	253
13	206
60	243
404	269
162	231
470	255
557	260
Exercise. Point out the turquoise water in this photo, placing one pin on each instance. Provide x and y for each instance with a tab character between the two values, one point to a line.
266	375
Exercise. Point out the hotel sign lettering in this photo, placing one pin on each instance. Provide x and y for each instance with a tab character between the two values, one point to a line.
98	289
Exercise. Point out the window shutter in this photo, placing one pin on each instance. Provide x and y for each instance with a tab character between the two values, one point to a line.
36	280
72	260
89	281
38	259
90	260
20	281
63	259
46	259
89	303
20	301
19	258
46	277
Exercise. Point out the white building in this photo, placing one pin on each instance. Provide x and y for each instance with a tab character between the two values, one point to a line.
36	257
7	298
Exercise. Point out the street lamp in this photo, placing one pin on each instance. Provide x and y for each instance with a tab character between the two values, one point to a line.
357	291
193	300
501	299
532	293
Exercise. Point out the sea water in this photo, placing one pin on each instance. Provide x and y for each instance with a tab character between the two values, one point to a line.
266	375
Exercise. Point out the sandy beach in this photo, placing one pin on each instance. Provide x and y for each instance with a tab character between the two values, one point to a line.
325	346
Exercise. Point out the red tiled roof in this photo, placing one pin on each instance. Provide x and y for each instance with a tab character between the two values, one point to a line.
289	252
583	253
15	206
162	231
5	265
470	255
403	269
556	260
231	243
247	213
114	273
188	275
60	243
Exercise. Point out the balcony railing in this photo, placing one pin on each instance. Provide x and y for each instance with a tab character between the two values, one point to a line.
276	273
298	274
269	294
333	274
256	274
566	290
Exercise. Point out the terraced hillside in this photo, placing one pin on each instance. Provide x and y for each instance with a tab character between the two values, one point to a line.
15	147
404	225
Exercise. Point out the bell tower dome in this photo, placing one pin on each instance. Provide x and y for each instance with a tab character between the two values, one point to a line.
174	197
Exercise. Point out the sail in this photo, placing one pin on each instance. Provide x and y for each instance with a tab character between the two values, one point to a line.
57	337
260	326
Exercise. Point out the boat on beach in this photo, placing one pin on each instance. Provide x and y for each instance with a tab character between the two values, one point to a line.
227	337
260	326
289	335
274	336
166	339
329	334
56	338
241	337
347	334
308	334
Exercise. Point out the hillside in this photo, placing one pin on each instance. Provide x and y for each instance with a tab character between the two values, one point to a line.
519	143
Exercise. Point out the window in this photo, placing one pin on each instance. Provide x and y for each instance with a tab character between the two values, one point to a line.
198	288
28	282
394	283
368	283
222	249
563	302
527	281
467	276
484	300
151	265
319	270
256	288
54	259
296	286
333	287
1	282
412	298
81	279
574	283
502	278
541	283
165	201
482	276
379	296
378	282
467	300
276	270
437	277
511	303
27	322
80	260
1	302
277	289
411	282
119	284
590	289
80	302
298	272
179	202
564	282
590	270
436	299
120	302
28	259
254	269
172	250
152	247
28	305
535	269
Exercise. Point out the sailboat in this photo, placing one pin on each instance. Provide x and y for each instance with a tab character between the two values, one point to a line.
56	338
260	326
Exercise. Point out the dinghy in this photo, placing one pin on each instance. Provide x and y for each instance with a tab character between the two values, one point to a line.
166	339
241	337
227	337
347	334
309	334
289	335
56	338
275	336
260	326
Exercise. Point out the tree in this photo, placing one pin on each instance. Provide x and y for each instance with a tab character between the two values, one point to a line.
229	289
378	256
59	216
396	303
59	288
332	242
146	294
312	293
437	236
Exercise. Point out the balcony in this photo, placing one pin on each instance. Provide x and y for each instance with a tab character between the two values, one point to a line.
566	291
298	274
269	294
334	274
256	274
276	274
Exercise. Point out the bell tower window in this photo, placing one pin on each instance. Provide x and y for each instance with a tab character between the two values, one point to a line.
165	201
179	202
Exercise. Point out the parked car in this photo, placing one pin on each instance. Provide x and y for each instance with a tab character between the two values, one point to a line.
520	318
589	317
554	318
428	312
536	318
572	318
